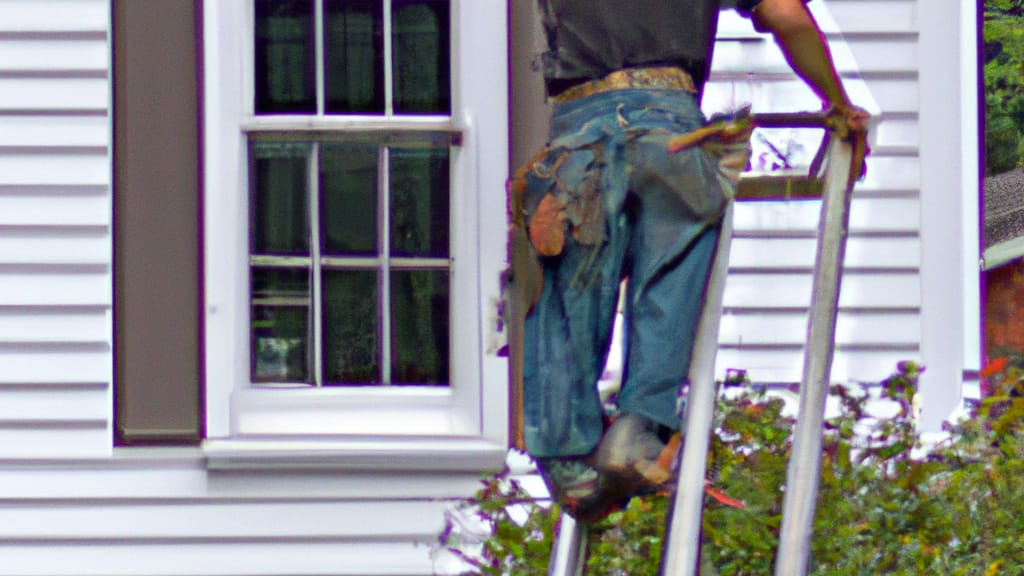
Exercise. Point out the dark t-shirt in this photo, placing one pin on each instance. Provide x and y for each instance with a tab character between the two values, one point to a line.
587	39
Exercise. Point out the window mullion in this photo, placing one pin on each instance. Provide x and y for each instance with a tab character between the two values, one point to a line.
316	304
384	236
320	57
389	88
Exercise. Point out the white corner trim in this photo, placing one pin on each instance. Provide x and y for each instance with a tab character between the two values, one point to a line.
942	227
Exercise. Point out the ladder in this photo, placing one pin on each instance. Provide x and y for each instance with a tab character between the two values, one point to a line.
681	547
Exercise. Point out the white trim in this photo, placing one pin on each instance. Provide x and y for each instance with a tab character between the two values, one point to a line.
282	122
316	281
408	454
970	204
474	407
942	225
1002	253
226	258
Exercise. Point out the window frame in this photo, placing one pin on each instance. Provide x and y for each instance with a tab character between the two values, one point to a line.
247	424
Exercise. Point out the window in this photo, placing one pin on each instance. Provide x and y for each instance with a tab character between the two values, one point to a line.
356	152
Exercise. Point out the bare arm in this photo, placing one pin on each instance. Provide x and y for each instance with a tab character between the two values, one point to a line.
806	50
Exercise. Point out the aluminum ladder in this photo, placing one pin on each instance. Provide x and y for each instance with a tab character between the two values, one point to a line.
681	548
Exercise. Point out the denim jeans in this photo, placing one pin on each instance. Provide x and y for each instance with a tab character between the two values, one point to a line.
631	210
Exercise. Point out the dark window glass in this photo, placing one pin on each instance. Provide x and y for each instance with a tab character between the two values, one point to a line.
281	341
419	202
354	56
419	327
420	56
351	354
279	222
285	63
348	187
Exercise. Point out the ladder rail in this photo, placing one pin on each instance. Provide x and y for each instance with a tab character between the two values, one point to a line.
681	551
804	469
569	552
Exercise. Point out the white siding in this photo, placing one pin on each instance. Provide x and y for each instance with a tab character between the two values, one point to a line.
768	291
55	272
71	506
157	513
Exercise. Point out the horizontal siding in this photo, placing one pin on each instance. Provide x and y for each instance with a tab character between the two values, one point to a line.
229	558
788	94
46	242
29	439
54	95
146	514
55	286
54	16
50	131
785	329
892	215
785	366
43	56
59	404
26	207
68	325
874	56
862	252
59	167
767	295
65	511
55	262
845	17
785	290
215	521
42	364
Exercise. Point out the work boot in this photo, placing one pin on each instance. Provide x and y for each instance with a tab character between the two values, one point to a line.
579	488
632	457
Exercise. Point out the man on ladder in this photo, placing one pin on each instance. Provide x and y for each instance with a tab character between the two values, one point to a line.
622	192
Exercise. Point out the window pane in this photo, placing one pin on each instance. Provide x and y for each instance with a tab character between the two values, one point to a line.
419	202
420	56
350	327
279	222
285	62
419	327
354	54
280	325
348	184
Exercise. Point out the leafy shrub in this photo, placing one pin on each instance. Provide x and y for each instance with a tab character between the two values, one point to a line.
886	505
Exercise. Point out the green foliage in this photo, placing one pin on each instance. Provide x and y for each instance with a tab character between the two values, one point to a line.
1003	32
886	505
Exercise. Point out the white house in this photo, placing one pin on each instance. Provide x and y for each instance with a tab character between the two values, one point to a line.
196	194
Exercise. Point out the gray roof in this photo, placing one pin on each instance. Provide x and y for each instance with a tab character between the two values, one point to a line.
1004	207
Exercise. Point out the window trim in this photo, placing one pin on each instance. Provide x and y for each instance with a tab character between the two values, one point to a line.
261	423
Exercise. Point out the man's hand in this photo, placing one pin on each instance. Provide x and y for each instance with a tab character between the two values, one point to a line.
806	51
851	124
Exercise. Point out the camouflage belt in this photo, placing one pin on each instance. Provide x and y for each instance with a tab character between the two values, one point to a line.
662	78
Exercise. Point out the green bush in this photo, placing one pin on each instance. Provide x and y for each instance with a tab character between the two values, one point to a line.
885	505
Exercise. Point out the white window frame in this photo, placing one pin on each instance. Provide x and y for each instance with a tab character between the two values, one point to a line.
360	426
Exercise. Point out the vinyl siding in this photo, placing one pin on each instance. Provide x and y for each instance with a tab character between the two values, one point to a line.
55	273
767	295
161	512
69	505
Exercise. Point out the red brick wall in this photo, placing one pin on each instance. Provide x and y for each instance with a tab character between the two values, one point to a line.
1004	311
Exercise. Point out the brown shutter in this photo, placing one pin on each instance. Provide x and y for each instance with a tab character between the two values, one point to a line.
157	235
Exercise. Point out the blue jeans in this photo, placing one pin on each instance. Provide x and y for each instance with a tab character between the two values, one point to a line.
631	210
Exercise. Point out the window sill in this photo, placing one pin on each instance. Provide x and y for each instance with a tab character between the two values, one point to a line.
356	454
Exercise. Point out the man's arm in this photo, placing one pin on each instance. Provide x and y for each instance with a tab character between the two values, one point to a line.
806	50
